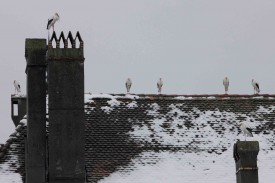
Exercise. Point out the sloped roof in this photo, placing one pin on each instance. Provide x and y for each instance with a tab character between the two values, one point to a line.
12	156
151	138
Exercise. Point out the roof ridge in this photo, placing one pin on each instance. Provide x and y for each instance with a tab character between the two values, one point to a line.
90	96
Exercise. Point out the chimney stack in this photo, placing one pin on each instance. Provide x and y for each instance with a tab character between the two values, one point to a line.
245	155
66	110
35	53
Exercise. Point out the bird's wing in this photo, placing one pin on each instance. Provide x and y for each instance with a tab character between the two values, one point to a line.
49	22
128	84
224	82
249	132
257	85
160	84
19	86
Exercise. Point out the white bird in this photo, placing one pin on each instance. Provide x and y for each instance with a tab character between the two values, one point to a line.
128	85
17	87
256	86
52	20
159	85
246	131
226	84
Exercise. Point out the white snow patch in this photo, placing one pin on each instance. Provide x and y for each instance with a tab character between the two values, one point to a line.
107	109
269	110
89	97
113	102
258	97
130	96
154	109
133	104
166	167
183	98
7	173
177	167
175	133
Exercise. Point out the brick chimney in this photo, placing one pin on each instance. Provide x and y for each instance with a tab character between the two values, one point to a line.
35	53
66	110
245	155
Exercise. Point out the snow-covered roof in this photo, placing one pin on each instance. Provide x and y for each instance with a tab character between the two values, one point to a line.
163	138
12	163
171	138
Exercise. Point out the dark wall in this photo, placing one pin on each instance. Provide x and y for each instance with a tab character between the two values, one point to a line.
36	110
66	114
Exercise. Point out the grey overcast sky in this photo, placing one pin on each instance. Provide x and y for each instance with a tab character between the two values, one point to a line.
191	44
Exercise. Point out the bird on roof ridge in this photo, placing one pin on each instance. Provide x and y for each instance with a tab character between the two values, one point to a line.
159	85
226	84
246	131
52	20
128	85
17	88
256	87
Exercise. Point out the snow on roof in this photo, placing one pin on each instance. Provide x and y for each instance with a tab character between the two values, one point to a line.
89	97
189	167
178	138
199	165
8	169
10	163
158	138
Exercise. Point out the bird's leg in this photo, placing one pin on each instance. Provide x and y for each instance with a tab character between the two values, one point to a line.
53	27
48	35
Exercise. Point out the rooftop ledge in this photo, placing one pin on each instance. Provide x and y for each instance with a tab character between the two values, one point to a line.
90	96
18	96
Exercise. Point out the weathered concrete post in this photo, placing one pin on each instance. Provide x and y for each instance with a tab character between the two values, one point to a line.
18	108
66	113
245	155
35	53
